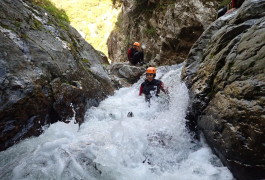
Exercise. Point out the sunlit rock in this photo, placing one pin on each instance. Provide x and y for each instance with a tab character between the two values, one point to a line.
166	29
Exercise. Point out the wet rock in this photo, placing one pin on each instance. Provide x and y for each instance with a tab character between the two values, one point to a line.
125	71
166	29
104	59
225	74
48	72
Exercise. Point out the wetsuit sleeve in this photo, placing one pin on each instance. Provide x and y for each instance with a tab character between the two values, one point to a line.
141	90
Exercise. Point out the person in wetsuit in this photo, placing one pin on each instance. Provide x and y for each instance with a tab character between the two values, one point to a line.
135	54
151	86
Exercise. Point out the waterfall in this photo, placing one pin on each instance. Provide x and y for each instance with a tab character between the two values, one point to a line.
154	144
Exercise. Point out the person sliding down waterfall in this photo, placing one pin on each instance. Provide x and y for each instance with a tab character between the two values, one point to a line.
135	54
151	86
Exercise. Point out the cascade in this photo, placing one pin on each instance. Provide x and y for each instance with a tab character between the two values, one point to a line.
153	144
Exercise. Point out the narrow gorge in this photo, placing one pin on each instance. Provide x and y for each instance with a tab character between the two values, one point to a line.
63	107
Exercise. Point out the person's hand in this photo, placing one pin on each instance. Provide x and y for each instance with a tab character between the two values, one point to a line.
230	10
166	91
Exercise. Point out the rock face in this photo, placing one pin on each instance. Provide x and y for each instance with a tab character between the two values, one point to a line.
225	74
47	72
166	28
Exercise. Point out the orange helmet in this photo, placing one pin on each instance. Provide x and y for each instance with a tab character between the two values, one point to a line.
151	70
137	44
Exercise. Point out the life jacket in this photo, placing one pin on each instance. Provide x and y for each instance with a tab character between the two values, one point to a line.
151	88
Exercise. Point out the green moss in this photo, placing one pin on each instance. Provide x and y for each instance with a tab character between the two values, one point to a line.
59	14
73	46
211	56
24	36
86	62
18	24
5	26
37	25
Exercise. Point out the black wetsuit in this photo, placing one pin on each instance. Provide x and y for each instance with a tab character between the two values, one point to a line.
135	56
151	88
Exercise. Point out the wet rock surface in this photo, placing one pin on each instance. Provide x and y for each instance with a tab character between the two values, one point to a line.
225	74
127	72
166	29
48	72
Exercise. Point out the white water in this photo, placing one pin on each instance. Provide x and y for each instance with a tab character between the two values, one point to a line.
152	145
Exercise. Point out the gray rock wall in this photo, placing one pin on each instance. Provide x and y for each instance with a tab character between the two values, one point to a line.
166	28
48	72
225	74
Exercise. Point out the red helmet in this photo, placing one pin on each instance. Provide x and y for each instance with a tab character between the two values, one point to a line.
151	70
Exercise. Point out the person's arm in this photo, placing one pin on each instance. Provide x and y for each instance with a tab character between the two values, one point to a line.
129	54
141	90
233	4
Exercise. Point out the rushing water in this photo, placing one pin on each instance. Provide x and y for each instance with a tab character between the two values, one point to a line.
153	144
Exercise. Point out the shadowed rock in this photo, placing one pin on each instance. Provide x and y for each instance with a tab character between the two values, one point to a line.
48	72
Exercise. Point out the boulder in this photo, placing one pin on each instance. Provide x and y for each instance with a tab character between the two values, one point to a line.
225	74
129	73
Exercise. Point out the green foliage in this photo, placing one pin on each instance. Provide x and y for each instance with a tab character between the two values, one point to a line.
150	32
143	6
224	3
94	19
58	14
118	23
116	2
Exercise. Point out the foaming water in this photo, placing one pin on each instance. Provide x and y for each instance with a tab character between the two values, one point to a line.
152	145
